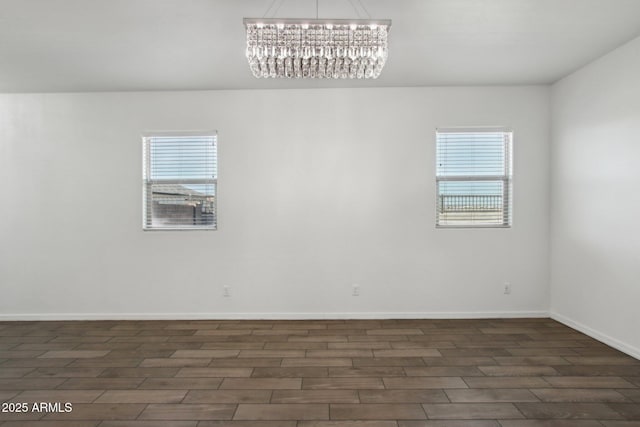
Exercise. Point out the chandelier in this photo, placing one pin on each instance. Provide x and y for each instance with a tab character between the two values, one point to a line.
316	48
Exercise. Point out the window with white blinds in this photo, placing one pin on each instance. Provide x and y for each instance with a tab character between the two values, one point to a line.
473	177
180	181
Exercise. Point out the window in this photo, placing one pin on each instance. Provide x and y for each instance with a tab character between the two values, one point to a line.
180	181
473	178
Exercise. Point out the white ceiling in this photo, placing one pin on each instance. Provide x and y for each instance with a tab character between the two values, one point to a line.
112	45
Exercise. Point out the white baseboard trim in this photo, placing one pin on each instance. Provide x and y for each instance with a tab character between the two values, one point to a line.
273	316
602	337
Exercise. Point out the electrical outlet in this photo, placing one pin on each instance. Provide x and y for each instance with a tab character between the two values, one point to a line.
507	288
356	291
227	291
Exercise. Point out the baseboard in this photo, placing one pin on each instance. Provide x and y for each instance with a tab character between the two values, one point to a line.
273	316
602	337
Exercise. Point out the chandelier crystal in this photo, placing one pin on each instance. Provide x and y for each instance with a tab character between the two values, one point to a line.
316	48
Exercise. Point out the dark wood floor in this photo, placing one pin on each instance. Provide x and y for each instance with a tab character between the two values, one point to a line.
378	373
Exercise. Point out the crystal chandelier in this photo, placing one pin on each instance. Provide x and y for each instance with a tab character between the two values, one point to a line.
316	48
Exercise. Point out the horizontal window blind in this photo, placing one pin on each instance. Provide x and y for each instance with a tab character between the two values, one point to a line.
473	178
180	181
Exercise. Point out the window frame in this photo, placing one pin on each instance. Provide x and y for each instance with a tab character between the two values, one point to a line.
147	182
506	177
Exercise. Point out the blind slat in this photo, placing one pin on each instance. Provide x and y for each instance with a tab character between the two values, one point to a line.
180	182
473	178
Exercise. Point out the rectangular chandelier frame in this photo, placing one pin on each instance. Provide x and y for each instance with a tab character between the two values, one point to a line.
316	48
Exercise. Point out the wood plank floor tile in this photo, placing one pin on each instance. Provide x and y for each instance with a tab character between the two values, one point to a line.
450	423
224	345
388	361
142	396
550	423
272	353
377	411
320	338
138	354
249	411
174	362
471	411
50	423
14	372
599	370
65	373
339	353
587	411
229	396
214	372
289	372
423	382
608	423
631	394
376	345
315	396
402	345
73	354
103	363
388	331
379	338
204	354
514	371
30	383
138	423
261	384
287	332
313	361
621	360
21	416
187	411
100	383
416	352
403	396
293	346
542	352
474	352
376	423
459	361
180	383
506	382
6	395
578	395
247	423
342	383
36	363
373	371
532	360
589	382
444	371
139	372
629	411
495	395
20	354
246	363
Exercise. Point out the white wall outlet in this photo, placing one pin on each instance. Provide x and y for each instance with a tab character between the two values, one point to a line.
227	291
356	291
507	288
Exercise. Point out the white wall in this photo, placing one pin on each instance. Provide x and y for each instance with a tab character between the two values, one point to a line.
595	212
318	189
